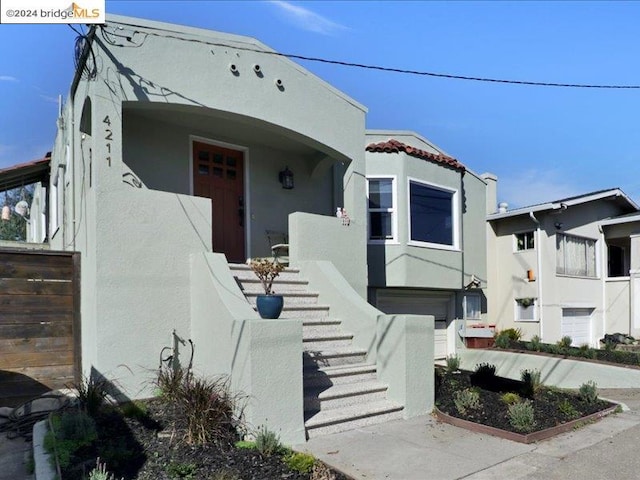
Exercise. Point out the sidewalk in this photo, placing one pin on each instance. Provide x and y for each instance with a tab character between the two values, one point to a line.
14	455
423	449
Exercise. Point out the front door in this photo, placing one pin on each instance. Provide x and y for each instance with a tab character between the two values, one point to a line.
218	174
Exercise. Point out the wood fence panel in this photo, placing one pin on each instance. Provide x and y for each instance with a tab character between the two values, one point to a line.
39	323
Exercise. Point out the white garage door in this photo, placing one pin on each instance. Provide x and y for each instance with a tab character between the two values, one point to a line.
440	305
576	322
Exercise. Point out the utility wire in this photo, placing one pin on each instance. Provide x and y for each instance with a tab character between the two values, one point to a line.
380	68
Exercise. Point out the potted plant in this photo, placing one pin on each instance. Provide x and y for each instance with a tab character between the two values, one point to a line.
269	305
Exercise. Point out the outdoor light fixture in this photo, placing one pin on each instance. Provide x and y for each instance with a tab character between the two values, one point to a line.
6	212
286	178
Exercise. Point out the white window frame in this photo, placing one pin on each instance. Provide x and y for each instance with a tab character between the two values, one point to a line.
465	304
455	216
596	257
519	309
393	210
515	241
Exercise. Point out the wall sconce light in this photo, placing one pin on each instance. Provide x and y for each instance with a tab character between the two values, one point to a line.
531	276
286	178
6	212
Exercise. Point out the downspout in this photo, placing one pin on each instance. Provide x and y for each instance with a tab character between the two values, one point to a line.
74	87
539	278
603	276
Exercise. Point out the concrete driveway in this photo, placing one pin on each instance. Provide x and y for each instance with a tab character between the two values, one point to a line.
423	449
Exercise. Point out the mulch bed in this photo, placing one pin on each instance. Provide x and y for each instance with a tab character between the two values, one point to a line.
153	447
494	412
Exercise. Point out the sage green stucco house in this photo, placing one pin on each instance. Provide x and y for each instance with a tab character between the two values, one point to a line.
168	168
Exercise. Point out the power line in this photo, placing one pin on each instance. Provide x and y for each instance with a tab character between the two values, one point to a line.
384	69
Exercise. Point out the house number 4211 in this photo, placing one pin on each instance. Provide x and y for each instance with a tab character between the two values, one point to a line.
108	137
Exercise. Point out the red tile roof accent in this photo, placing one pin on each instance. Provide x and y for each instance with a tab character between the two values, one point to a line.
394	146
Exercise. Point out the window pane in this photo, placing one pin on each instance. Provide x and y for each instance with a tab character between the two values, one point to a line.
380	224
560	254
380	193
526	313
472	307
575	256
431	215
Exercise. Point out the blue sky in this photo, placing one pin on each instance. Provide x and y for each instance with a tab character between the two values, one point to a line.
543	143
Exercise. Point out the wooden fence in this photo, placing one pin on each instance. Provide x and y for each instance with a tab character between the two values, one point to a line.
39	322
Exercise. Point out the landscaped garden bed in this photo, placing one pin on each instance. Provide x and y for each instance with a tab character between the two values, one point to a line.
191	431
524	411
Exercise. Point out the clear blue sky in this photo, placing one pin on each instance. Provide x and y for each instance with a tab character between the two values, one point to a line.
543	143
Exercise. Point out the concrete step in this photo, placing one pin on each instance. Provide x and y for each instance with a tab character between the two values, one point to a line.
334	357
253	285
305	311
325	340
242	272
290	298
337	420
341	396
320	329
340	375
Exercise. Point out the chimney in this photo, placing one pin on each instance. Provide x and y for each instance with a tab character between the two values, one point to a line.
491	192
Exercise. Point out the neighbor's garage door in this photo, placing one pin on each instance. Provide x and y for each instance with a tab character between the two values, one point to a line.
39	323
576	323
420	303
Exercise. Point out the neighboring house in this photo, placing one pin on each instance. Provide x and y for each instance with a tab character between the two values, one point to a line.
563	267
170	163
427	248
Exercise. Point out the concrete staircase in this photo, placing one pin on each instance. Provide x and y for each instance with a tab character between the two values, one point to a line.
341	390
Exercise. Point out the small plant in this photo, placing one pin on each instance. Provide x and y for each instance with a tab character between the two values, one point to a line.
568	410
169	381
467	399
267	442
502	341
510	398
485	370
536	343
531	380
565	342
453	363
134	409
266	270
91	394
245	444
182	470
70	432
209	408
514	334
588	392
521	416
100	472
300	462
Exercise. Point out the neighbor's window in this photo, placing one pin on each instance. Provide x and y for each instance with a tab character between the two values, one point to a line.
575	256
525	241
432	214
380	195
525	310
472	307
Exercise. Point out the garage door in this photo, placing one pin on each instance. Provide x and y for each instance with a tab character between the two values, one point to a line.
418	302
576	323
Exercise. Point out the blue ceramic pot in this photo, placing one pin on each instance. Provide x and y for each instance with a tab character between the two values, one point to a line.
269	306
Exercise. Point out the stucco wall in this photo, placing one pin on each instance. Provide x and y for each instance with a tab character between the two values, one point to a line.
618	305
557	291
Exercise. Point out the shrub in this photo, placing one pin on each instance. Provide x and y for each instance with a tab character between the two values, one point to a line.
485	370
588	392
134	409
568	410
267	442
467	399
300	462
209	408
502	341
169	382
70	432
514	334
510	398
531	380
521	416
182	470
91	394
536	343
565	342
453	363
